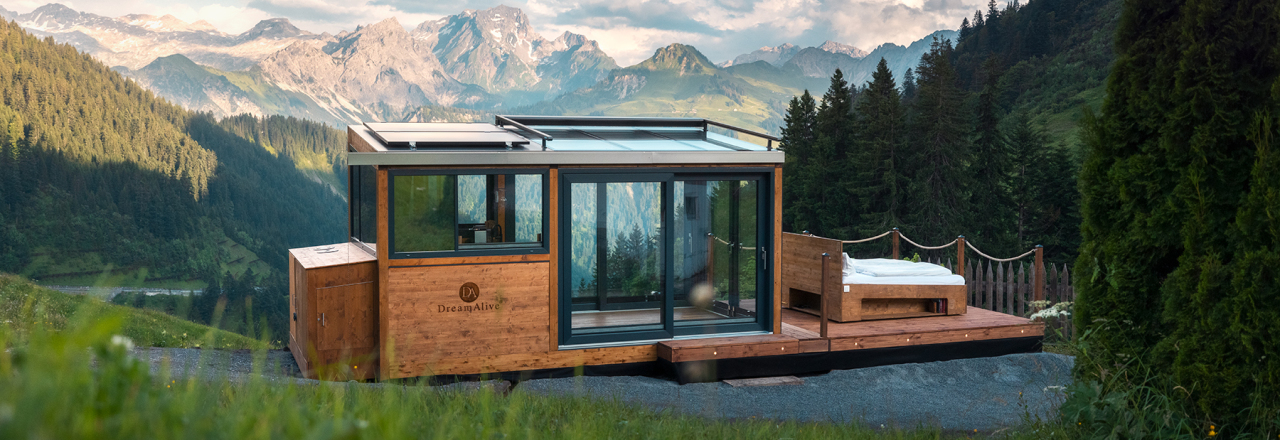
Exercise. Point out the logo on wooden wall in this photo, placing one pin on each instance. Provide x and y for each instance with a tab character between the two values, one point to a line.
469	292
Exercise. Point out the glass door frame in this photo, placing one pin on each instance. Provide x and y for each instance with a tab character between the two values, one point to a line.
670	328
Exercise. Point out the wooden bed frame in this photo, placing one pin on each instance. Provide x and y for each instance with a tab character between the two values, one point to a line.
803	287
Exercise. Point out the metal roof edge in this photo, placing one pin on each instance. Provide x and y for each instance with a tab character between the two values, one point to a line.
465	158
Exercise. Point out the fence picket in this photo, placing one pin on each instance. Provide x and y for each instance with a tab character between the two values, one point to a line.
1021	281
972	282
990	289
1002	284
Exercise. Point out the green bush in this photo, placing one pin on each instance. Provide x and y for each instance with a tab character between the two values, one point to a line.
1180	190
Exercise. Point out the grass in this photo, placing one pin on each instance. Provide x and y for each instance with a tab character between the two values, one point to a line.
78	383
64	373
25	307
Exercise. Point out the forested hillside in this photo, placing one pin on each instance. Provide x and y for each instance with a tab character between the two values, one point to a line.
1046	59
101	179
978	140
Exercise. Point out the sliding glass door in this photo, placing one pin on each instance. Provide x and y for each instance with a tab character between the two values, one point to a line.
650	256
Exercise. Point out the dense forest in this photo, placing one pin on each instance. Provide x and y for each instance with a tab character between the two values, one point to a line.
980	139
100	177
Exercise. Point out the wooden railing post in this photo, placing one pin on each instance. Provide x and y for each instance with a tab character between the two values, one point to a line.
822	308
960	255
895	244
1039	270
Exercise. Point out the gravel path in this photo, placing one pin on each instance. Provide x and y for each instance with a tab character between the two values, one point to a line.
967	394
984	394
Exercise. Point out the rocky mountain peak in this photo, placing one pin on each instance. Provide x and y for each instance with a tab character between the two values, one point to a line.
54	16
847	49
777	56
273	28
679	57
167	23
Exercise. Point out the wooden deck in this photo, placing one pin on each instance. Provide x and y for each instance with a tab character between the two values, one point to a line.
800	334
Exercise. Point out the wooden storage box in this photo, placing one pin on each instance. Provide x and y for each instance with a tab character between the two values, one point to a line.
333	311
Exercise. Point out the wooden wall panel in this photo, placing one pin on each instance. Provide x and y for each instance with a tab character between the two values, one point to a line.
802	262
427	321
384	347
532	361
349	317
445	261
777	250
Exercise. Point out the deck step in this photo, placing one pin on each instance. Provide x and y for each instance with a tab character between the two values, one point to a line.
727	348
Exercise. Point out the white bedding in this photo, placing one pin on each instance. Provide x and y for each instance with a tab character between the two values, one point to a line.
948	280
886	271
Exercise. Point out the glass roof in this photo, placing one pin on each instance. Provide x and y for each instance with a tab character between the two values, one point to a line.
568	134
573	138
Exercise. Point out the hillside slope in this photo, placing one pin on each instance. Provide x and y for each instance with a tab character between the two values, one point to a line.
101	180
1052	58
25	306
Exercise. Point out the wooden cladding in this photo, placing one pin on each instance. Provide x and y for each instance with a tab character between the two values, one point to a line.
728	348
428	322
333	309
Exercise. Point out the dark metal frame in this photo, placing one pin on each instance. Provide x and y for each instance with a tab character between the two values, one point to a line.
542	248
668	328
610	121
353	210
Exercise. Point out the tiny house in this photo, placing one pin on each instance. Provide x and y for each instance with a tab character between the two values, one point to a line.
540	246
540	243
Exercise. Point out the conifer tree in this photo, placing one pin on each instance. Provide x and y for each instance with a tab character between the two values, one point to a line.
798	137
881	181
1029	151
826	177
1176	252
991	207
940	149
908	87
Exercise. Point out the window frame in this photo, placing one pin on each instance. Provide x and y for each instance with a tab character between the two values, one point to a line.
354	222
540	248
669	327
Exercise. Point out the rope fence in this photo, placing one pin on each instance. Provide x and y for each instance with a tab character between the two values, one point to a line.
998	260
999	284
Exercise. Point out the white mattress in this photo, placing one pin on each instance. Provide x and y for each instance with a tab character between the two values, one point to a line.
897	272
946	280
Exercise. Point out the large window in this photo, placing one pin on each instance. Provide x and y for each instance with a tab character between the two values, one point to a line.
436	212
663	254
363	205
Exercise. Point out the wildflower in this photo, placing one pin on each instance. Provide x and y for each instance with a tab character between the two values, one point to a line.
122	341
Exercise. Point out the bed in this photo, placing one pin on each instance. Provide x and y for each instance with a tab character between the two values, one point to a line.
863	290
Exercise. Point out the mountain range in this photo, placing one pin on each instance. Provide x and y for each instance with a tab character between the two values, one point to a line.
485	61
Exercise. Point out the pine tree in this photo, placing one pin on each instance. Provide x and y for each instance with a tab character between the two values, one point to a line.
939	146
989	172
826	178
908	87
1027	165
882	176
798	137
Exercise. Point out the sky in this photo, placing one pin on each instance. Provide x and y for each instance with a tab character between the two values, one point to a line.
628	30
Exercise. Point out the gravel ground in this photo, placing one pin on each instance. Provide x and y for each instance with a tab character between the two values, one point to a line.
984	394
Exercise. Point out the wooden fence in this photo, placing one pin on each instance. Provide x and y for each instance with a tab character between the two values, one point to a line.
1004	288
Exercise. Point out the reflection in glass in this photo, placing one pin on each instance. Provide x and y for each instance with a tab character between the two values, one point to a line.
499	211
621	221
424	213
716	252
